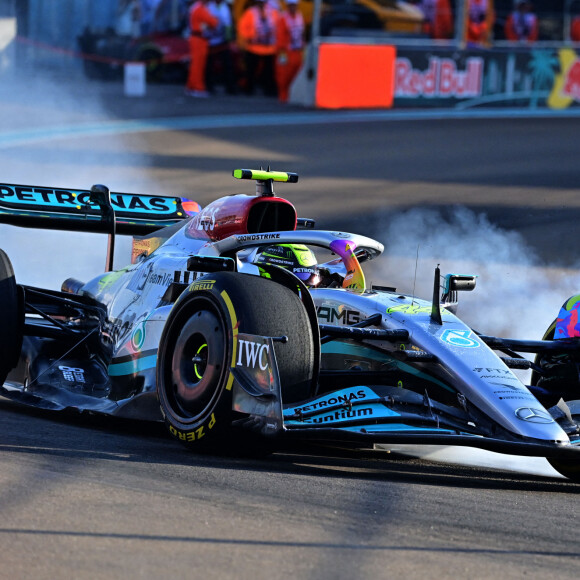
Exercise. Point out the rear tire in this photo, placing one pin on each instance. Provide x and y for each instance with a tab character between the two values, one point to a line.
195	357
153	61
11	318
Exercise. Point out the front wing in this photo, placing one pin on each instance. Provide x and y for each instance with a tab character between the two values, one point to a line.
366	414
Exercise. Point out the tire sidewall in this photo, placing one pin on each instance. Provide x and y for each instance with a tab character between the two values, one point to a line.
11	318
245	304
216	417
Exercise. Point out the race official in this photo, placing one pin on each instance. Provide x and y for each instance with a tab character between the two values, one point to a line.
438	22
201	24
522	24
289	47
220	67
480	18
257	40
575	29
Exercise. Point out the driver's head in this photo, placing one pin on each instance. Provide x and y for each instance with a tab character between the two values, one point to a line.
296	258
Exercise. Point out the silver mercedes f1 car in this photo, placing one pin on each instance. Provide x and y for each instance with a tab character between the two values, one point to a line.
231	330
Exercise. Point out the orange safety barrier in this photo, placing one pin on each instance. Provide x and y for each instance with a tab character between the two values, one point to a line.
355	76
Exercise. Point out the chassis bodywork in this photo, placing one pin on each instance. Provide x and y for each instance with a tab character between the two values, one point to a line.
389	367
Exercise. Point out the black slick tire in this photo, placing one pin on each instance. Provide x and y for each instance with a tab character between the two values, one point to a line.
11	318
194	378
566	467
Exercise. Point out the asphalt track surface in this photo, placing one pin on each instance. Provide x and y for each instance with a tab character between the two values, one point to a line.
99	498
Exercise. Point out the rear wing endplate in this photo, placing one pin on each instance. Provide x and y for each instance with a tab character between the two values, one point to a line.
71	209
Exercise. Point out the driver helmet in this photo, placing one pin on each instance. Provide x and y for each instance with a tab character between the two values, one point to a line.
296	258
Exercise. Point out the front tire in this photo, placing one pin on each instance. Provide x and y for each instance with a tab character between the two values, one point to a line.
566	467
194	380
561	375
569	467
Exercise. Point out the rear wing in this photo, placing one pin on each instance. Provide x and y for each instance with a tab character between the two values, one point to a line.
75	210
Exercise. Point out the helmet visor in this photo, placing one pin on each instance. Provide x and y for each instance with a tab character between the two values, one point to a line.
309	276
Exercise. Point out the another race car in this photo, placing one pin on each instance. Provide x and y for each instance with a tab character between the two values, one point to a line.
165	54
227	327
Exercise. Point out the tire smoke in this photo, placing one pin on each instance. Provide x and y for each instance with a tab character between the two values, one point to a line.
31	107
516	295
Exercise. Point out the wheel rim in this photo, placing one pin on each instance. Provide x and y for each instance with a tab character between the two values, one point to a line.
194	378
200	361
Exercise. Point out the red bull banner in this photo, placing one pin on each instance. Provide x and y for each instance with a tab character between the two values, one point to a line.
519	77
441	79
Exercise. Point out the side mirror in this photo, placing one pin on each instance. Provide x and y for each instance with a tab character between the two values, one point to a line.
458	283
453	283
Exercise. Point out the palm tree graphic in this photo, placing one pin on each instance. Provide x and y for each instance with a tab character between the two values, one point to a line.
542	65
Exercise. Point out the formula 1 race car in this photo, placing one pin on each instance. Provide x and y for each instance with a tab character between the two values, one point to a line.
228	327
165	54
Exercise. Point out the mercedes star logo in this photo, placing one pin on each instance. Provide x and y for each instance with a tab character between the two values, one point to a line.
534	415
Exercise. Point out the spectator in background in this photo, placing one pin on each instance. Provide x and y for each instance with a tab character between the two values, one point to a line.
480	18
438	21
201	25
128	18
148	10
289	47
220	61
169	15
257	40
575	29
522	24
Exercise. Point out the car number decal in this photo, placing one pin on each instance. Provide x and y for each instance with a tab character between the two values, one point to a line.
462	338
